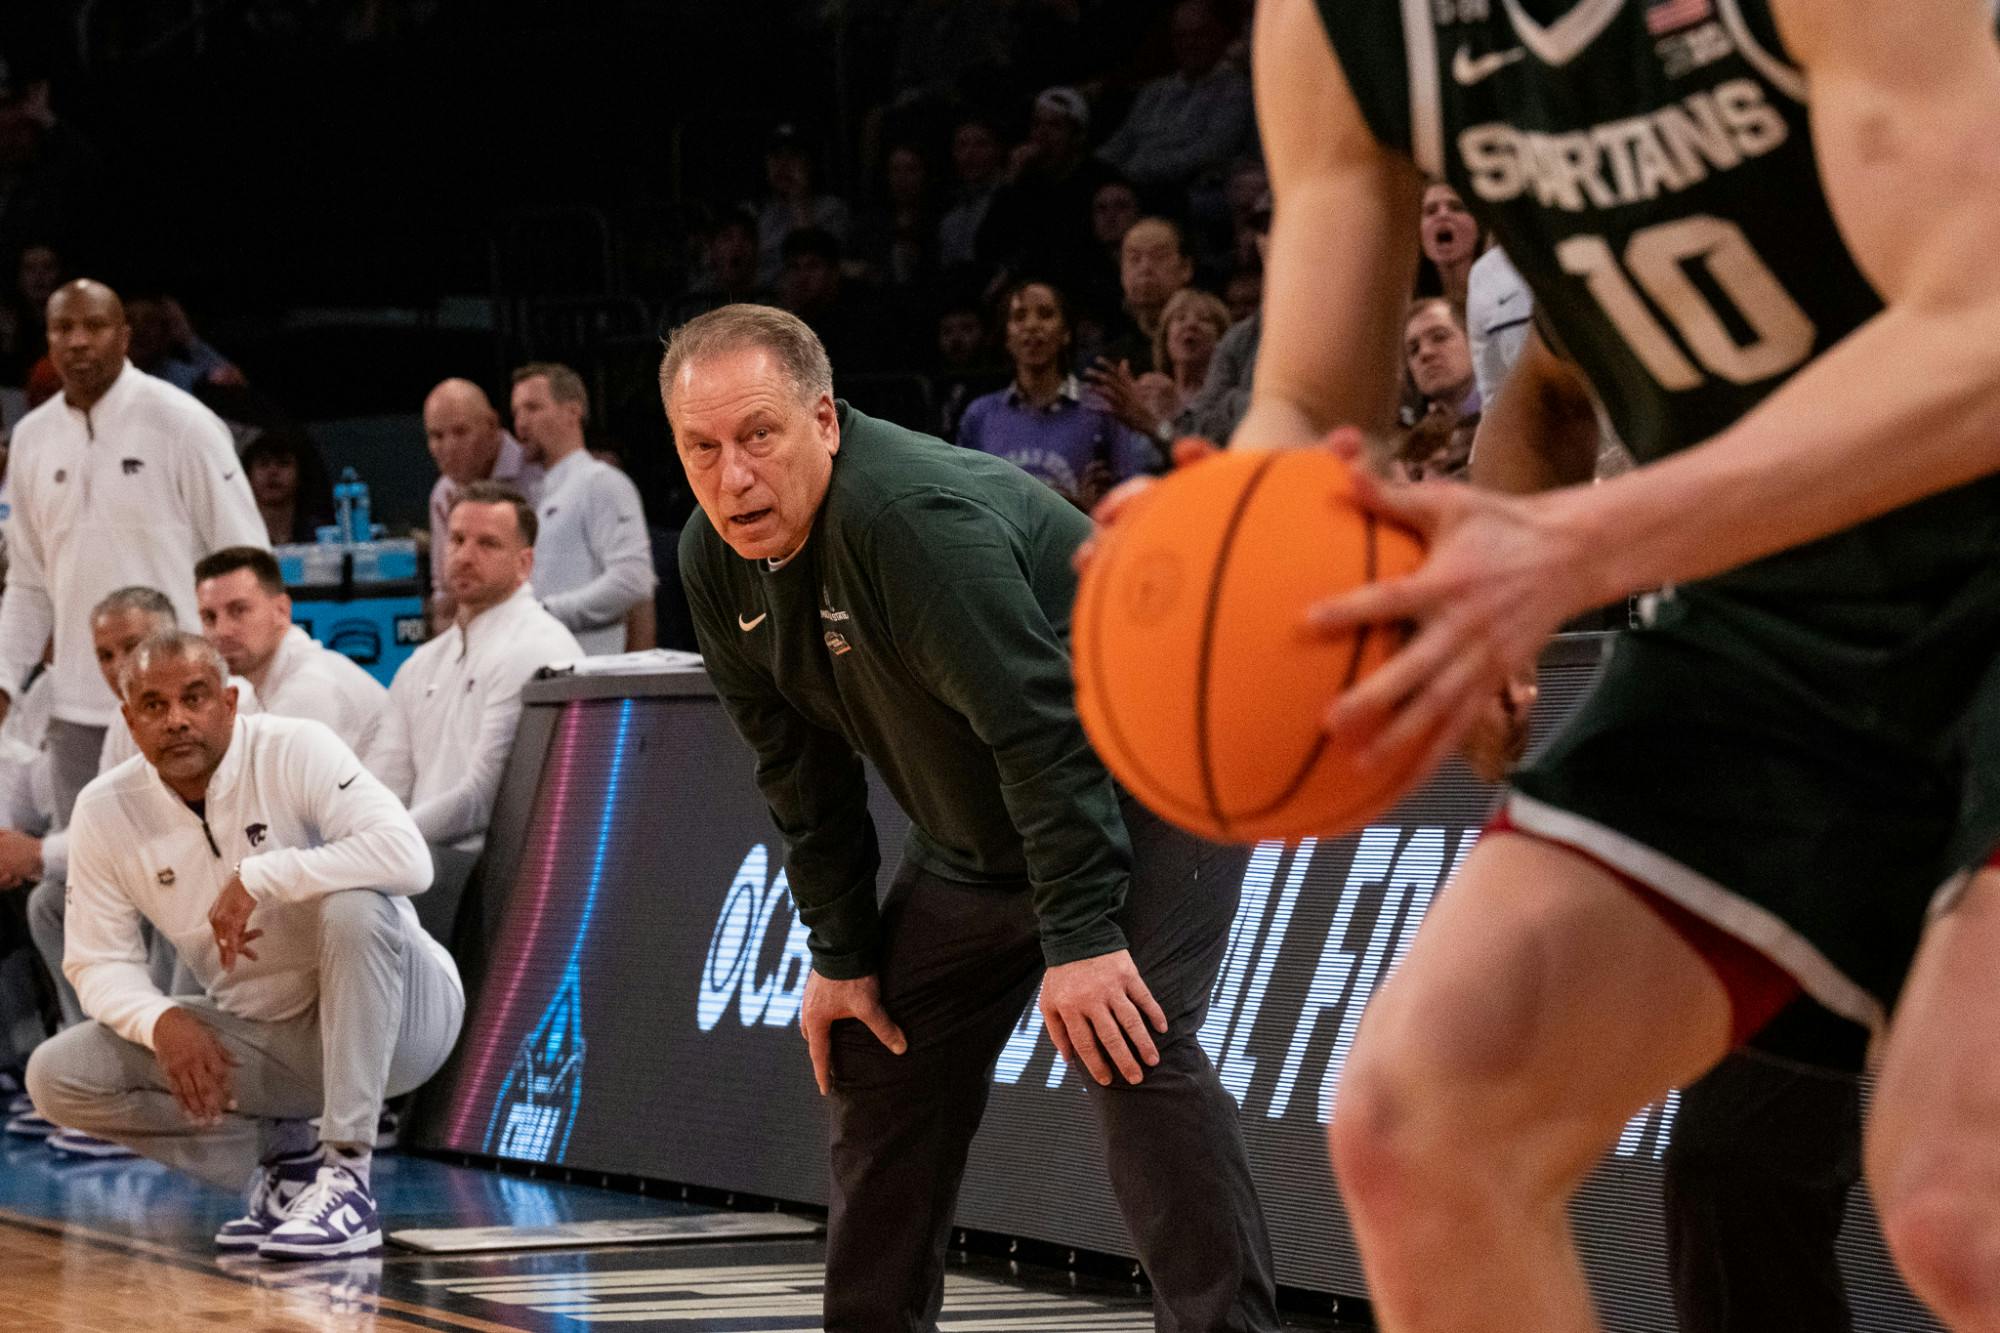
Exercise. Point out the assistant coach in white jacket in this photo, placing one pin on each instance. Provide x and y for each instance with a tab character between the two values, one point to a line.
119	480
281	869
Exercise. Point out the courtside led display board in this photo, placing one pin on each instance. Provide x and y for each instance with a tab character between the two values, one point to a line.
637	967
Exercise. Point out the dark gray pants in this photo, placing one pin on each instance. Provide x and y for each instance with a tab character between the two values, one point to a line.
960	963
73	752
1764	1151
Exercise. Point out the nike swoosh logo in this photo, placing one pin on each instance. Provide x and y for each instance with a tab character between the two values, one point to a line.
1469	69
350	782
747	625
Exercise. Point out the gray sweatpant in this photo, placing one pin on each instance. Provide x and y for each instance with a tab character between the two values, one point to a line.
376	977
74	750
959	964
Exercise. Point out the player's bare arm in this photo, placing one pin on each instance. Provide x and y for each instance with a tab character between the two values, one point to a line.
1906	101
1343	243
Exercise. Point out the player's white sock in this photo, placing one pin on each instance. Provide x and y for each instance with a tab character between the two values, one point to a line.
356	1157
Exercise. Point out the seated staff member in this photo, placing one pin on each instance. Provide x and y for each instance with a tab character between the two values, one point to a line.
281	869
454	705
859	589
247	614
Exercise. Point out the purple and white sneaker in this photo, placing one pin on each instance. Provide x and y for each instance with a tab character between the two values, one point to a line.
273	1190
335	1217
31	1124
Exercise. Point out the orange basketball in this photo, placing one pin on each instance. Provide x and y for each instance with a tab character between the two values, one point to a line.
1194	677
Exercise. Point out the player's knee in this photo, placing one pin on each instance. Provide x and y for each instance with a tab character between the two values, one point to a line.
54	1076
358	920
1391	1139
1945	1236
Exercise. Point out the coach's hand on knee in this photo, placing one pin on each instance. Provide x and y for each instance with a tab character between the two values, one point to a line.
828	1001
196	1064
1096	1011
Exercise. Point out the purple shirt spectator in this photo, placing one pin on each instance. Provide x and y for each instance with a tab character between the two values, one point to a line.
1075	448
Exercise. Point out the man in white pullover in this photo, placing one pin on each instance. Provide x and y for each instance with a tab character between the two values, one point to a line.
593	555
120	479
281	869
454	705
247	614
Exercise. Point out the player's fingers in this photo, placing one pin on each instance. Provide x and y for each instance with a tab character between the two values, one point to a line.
1383	601
1388	688
1141	995
1438	695
1119	499
1415	505
1111	1038
1134	1026
1191	449
1345	443
1085	1043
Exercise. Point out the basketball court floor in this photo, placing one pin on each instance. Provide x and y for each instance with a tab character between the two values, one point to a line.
124	1247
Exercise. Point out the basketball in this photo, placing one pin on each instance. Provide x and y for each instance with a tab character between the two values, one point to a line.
1196	680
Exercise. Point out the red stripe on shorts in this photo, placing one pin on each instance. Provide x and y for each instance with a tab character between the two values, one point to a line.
1757	987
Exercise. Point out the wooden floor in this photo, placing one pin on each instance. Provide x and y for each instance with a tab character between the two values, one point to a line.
127	1247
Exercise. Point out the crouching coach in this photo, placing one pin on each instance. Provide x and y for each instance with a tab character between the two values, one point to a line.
861	590
281	870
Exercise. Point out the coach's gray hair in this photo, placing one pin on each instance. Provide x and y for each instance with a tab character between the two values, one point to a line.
137	597
735	327
174	644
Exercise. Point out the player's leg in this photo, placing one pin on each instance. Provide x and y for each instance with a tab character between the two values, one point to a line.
1765	1149
90	1078
1542	1004
959	964
1933	1148
1174	1142
377	975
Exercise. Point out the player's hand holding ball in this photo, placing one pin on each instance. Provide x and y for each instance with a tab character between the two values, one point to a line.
1198	679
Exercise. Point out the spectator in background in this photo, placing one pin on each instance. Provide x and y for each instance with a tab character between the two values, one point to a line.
1040	220
791	203
289	482
1451	240
943	44
468	444
1226	396
454	705
1114	208
966	367
1243	293
896	240
1245	196
50	177
977	157
1159	403
1499	309
247	614
165	344
36	273
728	270
166	487
1041	422
1186	127
859	336
593	556
1438	359
1153	264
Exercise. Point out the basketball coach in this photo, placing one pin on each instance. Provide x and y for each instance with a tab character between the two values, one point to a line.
862	590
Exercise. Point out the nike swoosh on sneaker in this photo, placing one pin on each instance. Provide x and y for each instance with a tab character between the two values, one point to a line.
1469	69
747	625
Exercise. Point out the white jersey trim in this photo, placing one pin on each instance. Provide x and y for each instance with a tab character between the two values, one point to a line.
1426	101
1783	77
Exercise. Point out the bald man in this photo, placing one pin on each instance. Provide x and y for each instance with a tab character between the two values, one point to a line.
468	444
119	480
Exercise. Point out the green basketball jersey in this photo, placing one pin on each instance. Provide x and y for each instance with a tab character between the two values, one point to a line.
1647	166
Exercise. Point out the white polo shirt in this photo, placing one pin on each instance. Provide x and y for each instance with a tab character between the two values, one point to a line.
593	557
294	809
453	708
133	491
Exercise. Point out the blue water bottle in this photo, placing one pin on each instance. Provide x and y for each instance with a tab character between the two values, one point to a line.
350	508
